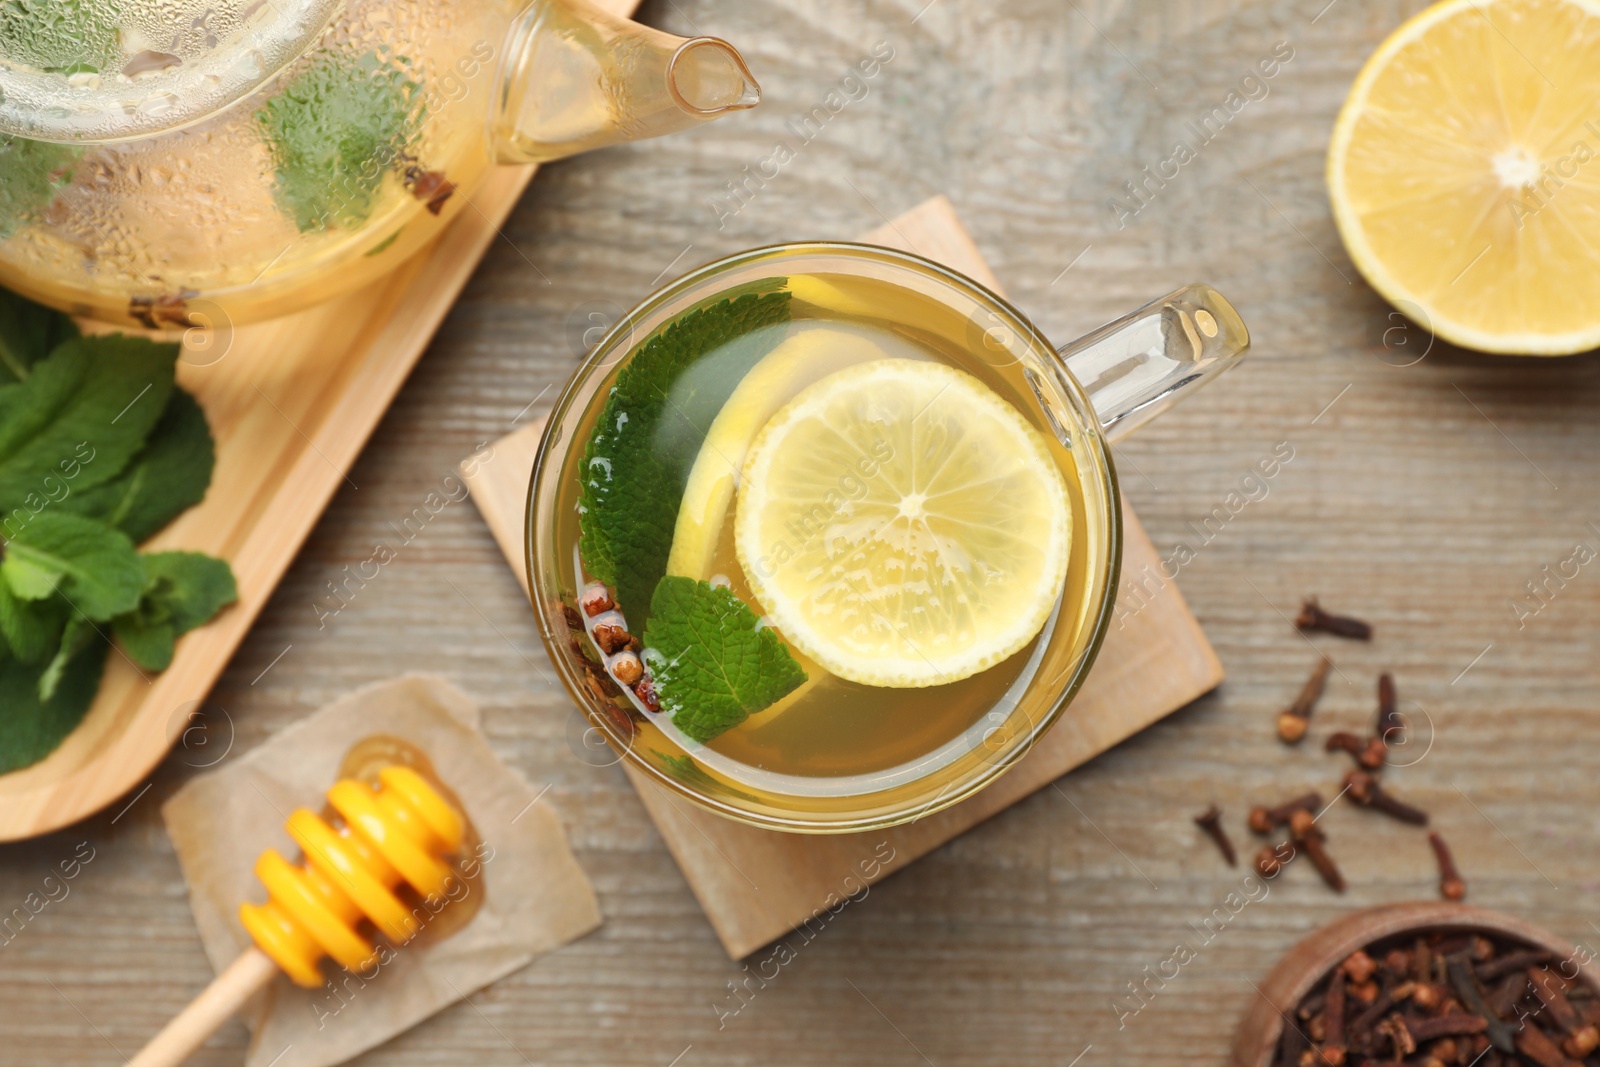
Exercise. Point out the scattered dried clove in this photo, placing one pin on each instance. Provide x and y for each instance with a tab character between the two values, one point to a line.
1312	843
1294	720
1265	820
1210	821
1365	790
1272	859
1312	617
1451	885
1389	723
1369	752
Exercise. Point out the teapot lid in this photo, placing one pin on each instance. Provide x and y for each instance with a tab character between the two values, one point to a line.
115	70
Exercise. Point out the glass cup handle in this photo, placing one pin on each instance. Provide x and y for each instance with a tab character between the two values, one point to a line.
1140	365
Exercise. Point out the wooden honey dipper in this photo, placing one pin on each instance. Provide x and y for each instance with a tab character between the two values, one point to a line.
398	832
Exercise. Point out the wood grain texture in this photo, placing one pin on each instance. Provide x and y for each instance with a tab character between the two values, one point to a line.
1417	499
1154	661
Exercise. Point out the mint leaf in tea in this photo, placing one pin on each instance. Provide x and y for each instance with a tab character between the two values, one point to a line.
639	455
713	663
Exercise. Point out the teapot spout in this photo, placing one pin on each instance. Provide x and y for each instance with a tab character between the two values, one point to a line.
576	77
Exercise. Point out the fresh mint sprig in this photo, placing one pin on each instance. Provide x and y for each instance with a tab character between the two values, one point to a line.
98	449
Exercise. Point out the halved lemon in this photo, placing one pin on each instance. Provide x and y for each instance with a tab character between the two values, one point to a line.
902	525
1464	173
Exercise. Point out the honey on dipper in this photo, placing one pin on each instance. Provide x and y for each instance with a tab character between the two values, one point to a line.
391	836
395	834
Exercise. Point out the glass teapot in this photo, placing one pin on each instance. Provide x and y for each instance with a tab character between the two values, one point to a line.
249	157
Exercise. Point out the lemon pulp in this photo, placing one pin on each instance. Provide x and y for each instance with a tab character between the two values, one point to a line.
902	525
796	362
1464	173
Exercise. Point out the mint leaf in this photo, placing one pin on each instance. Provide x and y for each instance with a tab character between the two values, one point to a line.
77	636
31	628
334	131
28	333
713	666
31	174
166	478
638	458
90	405
182	590
149	644
92	566
30	728
186	588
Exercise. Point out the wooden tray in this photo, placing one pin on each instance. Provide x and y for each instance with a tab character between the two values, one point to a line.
291	404
755	885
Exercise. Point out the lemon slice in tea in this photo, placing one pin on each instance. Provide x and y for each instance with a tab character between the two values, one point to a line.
902	525
1464	173
796	362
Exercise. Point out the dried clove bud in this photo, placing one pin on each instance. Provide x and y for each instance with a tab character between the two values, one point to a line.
1583	1041
1271	859
1359	966
1312	617
1389	723
1446	1026
429	186
1333	1048
1535	1044
1294	720
627	669
1265	820
1369	752
1365	790
611	638
1451	885
1312	843
1210	821
1511	961
595	600
1501	1034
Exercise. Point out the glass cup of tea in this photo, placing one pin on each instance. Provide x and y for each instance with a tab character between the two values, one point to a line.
825	536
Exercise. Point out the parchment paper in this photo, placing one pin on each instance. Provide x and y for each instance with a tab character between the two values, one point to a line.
536	897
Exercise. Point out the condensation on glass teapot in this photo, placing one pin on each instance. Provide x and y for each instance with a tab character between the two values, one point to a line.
182	162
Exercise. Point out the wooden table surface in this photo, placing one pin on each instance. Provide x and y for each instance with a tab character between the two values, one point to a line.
1421	494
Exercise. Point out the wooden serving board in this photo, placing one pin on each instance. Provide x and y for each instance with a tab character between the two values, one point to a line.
755	885
291	403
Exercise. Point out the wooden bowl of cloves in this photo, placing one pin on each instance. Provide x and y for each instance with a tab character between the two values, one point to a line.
1430	983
